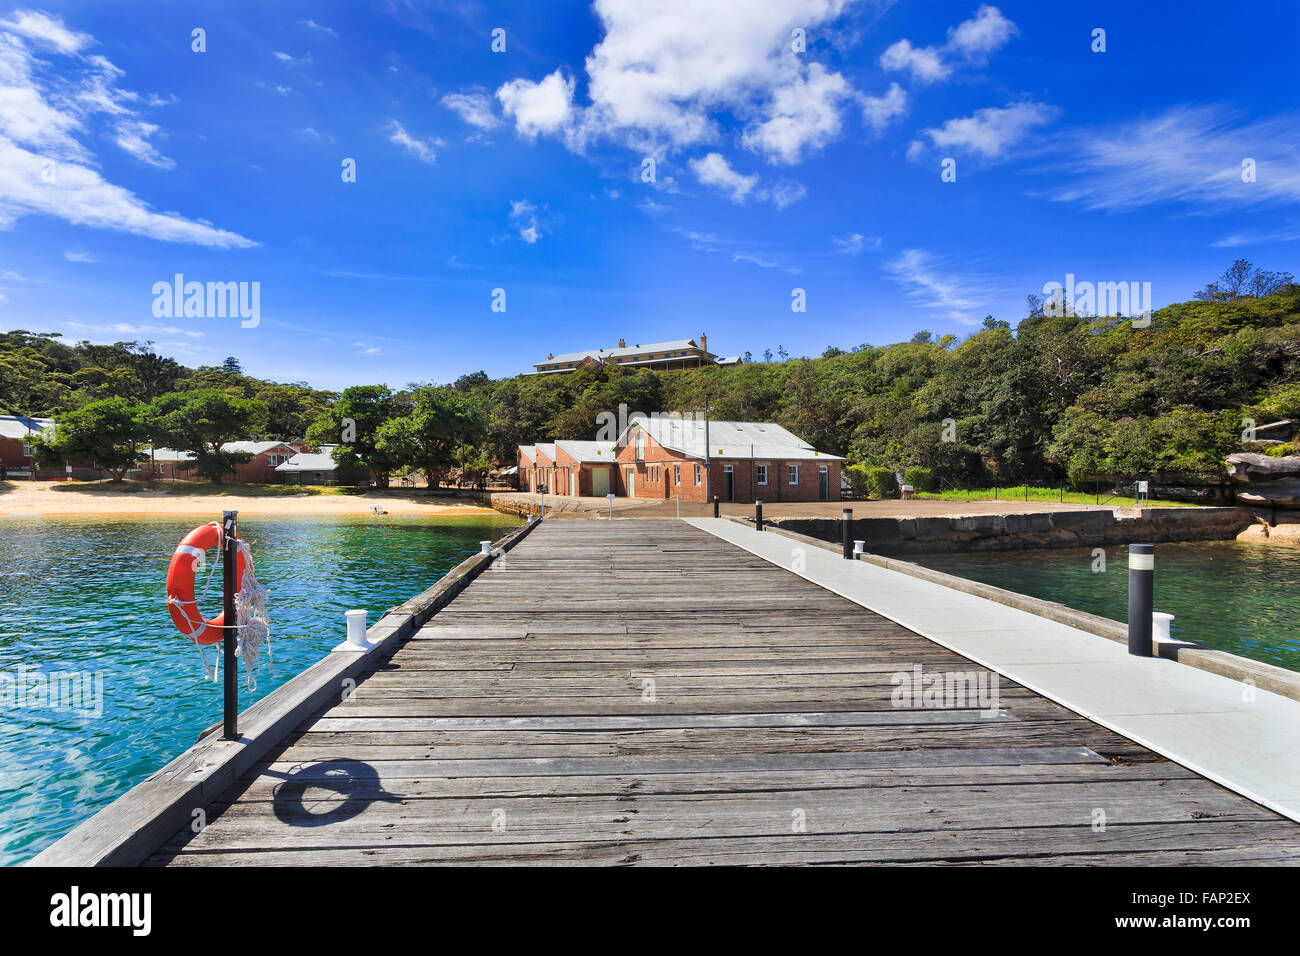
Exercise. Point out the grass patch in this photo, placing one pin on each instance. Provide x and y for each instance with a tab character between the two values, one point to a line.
230	490
1021	493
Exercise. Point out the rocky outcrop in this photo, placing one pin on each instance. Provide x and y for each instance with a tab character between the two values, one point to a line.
1275	494
1247	467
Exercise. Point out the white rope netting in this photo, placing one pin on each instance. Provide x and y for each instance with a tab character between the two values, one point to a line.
250	617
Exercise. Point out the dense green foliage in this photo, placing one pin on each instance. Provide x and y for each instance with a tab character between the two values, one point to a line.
1057	398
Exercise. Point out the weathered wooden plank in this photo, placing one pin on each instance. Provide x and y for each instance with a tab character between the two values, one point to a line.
771	696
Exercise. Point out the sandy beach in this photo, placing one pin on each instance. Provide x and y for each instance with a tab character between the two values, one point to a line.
48	499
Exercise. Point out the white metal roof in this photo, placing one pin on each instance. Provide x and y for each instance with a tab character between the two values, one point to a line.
169	454
726	439
308	461
656	347
596	451
546	449
257	447
19	426
530	451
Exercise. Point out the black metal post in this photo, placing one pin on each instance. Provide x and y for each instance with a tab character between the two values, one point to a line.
758	515
229	561
715	506
847	524
1141	597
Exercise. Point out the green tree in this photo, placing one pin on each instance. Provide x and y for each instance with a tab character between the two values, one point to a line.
436	436
203	422
353	422
108	432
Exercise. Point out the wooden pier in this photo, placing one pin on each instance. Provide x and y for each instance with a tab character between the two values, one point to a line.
640	691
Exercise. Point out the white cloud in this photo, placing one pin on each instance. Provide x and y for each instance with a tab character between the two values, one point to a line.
134	136
474	108
45	163
855	242
366	349
79	255
422	150
988	132
1285	234
932	287
714	170
972	40
803	115
1186	154
545	107
879	110
126	328
313	25
524	215
47	31
296	61
783	193
987	32
925	63
662	69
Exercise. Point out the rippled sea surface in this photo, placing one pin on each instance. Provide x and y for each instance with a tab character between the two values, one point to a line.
1239	598
88	597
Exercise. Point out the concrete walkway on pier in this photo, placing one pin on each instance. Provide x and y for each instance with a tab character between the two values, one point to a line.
1245	738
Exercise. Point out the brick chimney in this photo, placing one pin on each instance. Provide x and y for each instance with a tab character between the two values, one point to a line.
622	343
704	342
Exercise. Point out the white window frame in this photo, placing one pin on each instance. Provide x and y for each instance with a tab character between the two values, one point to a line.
794	474
639	444
677	474
697	474
762	474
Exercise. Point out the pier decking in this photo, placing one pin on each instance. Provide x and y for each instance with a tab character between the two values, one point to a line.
641	691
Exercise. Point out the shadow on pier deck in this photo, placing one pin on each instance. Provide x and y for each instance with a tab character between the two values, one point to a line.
643	692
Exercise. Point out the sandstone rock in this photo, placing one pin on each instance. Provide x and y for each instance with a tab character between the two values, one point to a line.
1281	494
1244	466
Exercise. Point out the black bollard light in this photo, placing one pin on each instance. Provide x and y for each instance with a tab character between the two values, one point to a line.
715	506
848	529
1141	597
758	515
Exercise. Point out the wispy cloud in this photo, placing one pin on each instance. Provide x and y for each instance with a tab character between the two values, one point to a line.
46	164
79	255
474	108
987	133
422	150
313	25
933	286
1193	154
524	216
1284	234
855	242
971	41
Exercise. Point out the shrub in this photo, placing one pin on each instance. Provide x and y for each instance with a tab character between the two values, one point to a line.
921	479
858	479
881	482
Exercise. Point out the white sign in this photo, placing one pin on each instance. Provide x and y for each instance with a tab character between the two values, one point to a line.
1142	487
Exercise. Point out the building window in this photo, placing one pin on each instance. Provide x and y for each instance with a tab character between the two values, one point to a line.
27	450
697	474
640	445
762	474
794	474
677	474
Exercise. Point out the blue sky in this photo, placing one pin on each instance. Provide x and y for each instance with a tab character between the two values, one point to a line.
523	170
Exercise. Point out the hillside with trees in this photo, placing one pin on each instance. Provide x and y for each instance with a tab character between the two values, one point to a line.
1056	398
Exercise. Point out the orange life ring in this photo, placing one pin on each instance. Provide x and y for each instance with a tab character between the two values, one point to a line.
181	602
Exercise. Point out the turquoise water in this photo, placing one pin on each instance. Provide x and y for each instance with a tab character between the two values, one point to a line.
89	597
1240	598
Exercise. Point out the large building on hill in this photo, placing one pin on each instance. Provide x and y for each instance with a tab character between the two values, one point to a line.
661	457
657	356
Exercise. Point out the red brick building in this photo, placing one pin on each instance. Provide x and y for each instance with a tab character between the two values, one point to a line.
168	463
16	432
662	457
